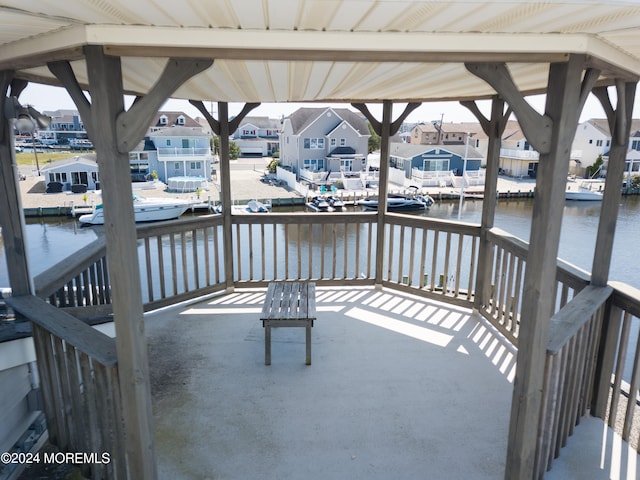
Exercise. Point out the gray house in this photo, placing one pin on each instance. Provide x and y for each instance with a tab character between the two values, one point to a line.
317	141
65	175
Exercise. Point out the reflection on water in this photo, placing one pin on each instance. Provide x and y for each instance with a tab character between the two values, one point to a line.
53	239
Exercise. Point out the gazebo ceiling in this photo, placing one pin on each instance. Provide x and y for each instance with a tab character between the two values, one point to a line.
323	50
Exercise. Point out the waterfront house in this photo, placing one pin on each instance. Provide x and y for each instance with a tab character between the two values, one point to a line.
318	142
565	326
66	126
592	140
257	136
71	173
431	165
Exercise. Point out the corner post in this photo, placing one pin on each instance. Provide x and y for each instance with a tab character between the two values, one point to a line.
383	187
225	191
107	103
12	216
562	107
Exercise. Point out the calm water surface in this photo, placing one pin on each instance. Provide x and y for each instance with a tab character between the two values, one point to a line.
53	239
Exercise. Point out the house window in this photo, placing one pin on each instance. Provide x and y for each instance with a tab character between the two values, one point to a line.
168	142
590	141
635	145
313	164
58	177
163	120
598	143
436	165
333	142
314	143
180	120
94	177
343	142
195	165
176	166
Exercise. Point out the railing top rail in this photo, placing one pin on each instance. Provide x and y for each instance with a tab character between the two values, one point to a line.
566	323
180	225
304	218
48	281
626	297
433	223
87	339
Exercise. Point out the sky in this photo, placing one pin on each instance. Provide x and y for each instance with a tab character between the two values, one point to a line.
47	98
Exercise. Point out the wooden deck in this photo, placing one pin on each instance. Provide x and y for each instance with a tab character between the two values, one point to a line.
401	387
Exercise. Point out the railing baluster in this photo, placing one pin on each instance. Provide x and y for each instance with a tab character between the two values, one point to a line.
163	291
196	264
183	255
174	263
147	256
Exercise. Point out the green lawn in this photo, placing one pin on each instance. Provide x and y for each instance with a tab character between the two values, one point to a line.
28	158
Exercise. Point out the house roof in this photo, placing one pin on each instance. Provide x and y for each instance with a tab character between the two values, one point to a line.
324	50
303	117
172	119
88	160
408	150
261	122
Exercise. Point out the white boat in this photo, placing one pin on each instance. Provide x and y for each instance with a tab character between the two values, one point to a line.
144	209
398	202
582	192
254	206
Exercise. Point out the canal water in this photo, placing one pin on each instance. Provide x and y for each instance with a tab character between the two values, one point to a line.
50	240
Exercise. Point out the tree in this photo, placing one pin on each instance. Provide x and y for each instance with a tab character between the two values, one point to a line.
374	139
234	151
592	170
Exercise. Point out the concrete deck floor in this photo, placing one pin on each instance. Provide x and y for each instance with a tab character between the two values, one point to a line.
399	387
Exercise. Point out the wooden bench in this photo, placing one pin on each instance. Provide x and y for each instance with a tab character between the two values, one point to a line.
288	304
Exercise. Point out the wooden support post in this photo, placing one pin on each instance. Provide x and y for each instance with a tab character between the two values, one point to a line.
562	108
493	128
114	132
225	192
223	127
385	129
107	103
11	214
619	126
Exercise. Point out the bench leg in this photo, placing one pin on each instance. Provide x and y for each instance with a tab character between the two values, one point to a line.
267	345
308	328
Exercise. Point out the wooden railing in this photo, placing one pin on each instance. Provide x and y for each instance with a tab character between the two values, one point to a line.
508	260
431	257
436	259
330	249
78	370
79	281
181	260
616	399
574	337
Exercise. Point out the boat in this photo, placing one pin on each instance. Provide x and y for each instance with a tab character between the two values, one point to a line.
319	204
145	209
253	206
398	203
335	203
580	191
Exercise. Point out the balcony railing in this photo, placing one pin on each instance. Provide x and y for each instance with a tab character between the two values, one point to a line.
590	344
184	152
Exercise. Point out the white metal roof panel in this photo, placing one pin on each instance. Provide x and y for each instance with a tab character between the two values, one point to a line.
323	50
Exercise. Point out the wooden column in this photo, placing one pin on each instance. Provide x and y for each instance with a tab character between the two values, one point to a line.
619	126
11	213
114	133
551	135
105	79
493	128
385	129
223	127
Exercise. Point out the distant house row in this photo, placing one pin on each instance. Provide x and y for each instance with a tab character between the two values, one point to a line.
324	146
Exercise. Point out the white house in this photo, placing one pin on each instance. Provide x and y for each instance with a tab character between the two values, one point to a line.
592	140
257	136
